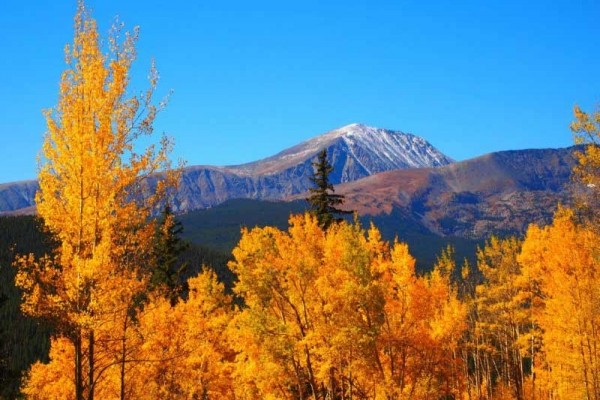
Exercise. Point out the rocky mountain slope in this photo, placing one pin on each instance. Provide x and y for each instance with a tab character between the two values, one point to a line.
355	151
17	196
499	192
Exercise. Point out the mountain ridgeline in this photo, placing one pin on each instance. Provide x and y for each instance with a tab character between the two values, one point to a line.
460	204
397	179
500	193
355	151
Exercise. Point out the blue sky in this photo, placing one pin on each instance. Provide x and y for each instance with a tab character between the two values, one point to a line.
252	78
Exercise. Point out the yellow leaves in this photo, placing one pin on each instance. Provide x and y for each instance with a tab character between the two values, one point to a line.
329	312
424	322
180	351
95	198
563	258
335	309
586	130
49	381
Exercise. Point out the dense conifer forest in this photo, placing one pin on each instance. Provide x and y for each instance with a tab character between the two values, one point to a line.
23	339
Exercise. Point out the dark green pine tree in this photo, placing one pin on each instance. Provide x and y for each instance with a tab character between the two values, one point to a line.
168	248
323	201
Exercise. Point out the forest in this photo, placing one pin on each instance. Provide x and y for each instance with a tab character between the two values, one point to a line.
325	309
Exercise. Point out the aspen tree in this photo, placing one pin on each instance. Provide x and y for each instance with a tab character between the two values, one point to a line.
185	352
565	258
94	199
338	313
504	321
586	174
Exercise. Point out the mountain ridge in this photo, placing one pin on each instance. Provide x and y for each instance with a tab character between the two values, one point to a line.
355	151
500	192
497	193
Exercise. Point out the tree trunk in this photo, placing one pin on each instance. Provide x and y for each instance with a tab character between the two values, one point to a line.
91	366
78	368
123	355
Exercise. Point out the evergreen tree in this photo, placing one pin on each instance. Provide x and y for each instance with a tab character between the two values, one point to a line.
323	201
168	248
18	235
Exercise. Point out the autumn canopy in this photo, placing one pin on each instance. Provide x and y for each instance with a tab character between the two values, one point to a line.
325	309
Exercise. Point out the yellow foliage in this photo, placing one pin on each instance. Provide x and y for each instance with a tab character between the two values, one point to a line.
504	326
340	313
586	173
94	199
564	257
49	381
185	351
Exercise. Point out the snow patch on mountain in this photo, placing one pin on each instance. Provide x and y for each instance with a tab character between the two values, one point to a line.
355	151
375	149
397	149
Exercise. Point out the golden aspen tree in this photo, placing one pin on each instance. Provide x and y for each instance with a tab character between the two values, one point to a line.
565	258
399	328
424	322
504	322
49	381
287	347
337	314
586	174
186	352
179	351
473	350
276	273
94	199
351	311
447	327
586	130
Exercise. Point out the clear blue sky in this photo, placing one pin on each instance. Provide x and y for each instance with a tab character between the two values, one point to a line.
251	78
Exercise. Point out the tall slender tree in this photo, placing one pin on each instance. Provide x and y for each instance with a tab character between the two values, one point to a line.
168	247
323	201
91	199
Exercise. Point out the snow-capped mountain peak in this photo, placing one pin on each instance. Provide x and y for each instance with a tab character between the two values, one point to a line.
397	149
354	150
367	148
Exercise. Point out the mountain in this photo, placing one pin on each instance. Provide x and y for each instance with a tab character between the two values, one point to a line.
499	192
460	204
355	151
463	202
17	195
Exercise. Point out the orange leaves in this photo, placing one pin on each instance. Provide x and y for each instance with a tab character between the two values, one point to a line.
563	258
92	199
424	322
337	312
49	381
167	352
502	330
185	351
